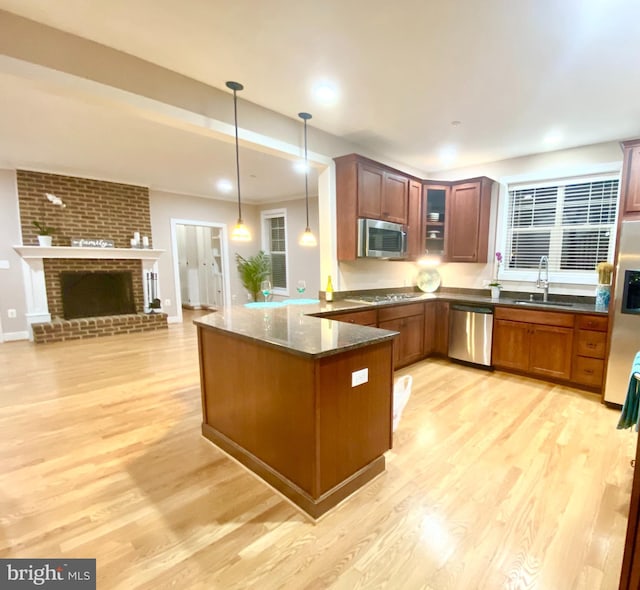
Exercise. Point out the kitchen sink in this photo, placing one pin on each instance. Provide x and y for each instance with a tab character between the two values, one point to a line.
528	302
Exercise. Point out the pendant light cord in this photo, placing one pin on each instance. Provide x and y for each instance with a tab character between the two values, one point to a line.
306	172
235	115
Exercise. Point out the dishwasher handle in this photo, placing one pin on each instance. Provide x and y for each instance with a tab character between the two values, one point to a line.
471	308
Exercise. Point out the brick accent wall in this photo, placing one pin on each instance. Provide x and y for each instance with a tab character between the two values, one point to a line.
94	208
61	330
54	266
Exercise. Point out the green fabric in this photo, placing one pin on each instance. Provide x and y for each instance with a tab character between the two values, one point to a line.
631	407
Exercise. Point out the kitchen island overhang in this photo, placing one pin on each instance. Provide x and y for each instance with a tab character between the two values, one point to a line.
303	402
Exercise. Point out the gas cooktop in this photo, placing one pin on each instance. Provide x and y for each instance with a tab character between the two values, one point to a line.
388	298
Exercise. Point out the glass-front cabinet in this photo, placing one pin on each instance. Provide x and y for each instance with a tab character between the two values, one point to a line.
435	209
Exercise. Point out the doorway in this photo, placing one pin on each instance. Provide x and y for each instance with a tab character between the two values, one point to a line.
201	264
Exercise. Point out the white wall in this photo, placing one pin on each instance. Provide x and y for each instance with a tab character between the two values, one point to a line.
12	294
167	206
365	274
304	263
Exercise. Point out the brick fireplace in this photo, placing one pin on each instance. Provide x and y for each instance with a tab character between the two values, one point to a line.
95	210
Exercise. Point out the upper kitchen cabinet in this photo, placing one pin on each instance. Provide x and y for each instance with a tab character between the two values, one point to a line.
415	243
630	191
457	219
436	199
468	220
366	189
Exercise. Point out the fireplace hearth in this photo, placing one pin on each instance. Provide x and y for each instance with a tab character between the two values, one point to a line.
96	294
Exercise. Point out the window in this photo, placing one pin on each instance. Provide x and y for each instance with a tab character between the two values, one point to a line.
570	221
274	242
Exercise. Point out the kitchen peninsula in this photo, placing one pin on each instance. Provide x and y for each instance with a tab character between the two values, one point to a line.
304	402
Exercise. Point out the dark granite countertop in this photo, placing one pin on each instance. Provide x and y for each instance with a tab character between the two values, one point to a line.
291	328
295	329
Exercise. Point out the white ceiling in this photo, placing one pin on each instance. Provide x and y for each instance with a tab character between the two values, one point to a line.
512	72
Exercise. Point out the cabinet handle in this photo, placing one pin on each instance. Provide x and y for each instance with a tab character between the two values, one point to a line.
589	371
590	345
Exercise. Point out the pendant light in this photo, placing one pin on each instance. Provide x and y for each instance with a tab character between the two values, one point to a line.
307	238
240	232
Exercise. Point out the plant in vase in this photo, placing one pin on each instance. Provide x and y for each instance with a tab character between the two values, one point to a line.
253	270
495	284
45	232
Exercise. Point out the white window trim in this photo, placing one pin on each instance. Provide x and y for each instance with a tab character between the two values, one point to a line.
592	174
266	246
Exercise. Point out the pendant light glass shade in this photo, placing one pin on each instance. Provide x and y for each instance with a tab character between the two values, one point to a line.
307	238
240	232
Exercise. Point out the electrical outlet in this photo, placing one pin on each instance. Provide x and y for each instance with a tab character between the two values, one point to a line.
167	302
359	377
11	314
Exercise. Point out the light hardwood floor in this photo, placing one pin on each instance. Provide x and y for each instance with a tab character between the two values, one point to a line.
494	481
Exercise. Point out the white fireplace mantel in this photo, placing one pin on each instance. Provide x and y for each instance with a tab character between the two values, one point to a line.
33	260
40	252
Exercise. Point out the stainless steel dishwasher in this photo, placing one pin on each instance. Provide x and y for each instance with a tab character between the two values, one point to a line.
470	333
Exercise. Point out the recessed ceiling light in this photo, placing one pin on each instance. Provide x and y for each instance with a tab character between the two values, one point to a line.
224	185
553	137
301	166
325	92
448	154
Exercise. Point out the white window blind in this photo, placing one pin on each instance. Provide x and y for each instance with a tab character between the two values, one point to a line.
571	222
275	243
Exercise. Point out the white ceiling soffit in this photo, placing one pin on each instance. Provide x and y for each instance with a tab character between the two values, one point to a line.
520	77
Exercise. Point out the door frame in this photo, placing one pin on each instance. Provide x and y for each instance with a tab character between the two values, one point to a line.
224	255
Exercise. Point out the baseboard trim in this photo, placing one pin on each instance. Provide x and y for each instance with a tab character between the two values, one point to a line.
13	336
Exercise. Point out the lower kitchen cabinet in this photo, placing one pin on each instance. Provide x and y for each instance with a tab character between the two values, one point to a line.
409	321
590	350
367	317
429	344
536	342
441	332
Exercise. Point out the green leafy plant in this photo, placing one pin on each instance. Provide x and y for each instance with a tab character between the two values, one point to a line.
253	270
44	229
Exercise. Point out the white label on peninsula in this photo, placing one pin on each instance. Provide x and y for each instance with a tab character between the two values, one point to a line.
359	377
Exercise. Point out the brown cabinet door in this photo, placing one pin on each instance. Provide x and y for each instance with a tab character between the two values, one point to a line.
412	339
631	181
441	345
551	351
371	184
415	230
463	218
395	197
429	328
511	345
396	326
409	345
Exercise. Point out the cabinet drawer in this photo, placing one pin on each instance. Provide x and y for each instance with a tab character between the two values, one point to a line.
591	344
400	311
367	317
530	316
593	322
588	371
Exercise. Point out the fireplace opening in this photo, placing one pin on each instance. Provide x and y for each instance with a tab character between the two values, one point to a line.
91	294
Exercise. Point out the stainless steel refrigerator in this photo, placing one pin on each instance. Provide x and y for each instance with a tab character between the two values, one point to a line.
625	334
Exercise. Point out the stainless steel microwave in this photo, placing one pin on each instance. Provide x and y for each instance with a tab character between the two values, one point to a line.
381	239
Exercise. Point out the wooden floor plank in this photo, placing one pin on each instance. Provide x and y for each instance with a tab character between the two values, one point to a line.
494	481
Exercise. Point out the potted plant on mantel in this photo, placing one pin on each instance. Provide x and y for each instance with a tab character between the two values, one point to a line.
45	232
253	270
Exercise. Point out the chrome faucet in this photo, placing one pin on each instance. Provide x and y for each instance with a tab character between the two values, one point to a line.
543	279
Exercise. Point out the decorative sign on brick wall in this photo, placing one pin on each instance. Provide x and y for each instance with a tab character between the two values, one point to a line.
91	243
